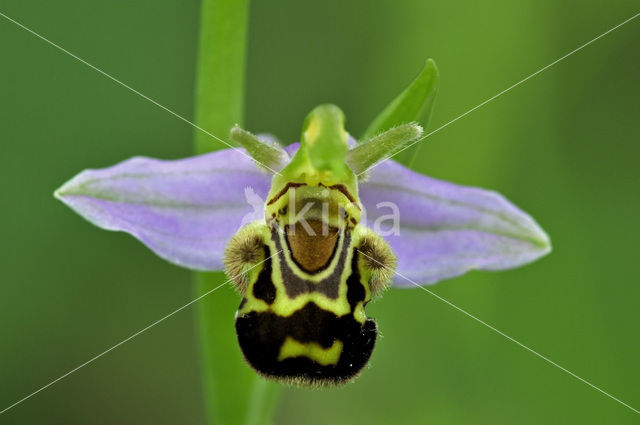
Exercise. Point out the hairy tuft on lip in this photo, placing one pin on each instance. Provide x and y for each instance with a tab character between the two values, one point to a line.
245	250
379	259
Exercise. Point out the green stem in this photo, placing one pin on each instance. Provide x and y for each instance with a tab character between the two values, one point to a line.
262	402
233	393
219	91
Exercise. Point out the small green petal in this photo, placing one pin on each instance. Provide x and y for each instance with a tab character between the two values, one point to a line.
365	155
268	156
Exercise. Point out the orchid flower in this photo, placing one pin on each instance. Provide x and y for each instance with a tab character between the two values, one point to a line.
305	276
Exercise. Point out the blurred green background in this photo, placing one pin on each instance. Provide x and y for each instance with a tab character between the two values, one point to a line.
563	146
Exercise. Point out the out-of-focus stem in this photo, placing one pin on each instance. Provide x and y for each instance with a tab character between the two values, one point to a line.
233	393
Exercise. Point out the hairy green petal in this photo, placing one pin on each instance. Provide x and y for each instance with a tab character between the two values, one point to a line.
365	155
268	156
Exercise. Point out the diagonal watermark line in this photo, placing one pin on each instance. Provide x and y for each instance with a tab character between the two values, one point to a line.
111	77
482	322
404	277
577	49
91	360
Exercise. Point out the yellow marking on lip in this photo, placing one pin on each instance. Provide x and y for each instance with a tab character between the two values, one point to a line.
312	350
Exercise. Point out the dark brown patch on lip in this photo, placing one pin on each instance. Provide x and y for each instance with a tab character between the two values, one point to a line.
295	285
312	252
283	191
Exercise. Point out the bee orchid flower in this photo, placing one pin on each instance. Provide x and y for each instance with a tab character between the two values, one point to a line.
308	234
188	210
